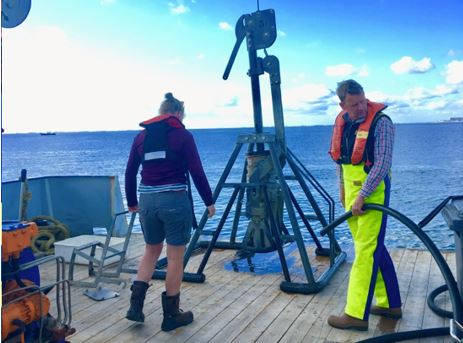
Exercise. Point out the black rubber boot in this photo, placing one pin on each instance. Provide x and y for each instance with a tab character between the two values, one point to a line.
137	299
173	316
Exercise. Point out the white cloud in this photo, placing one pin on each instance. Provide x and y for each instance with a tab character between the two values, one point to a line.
379	97
68	86
417	93
281	33
309	98
225	26
436	105
178	9
442	90
454	72
345	69
425	104
200	56
340	70
407	65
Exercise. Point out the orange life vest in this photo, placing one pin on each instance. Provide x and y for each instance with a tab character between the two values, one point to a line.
361	137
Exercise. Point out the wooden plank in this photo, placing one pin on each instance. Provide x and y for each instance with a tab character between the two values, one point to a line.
205	301
415	302
334	304
247	314
213	314
450	258
260	323
245	307
191	297
116	320
305	320
153	305
430	319
286	318
213	291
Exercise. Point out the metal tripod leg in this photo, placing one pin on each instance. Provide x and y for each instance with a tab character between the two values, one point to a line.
292	216
277	239
217	232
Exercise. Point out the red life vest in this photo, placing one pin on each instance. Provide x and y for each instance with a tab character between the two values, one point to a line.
169	118
361	137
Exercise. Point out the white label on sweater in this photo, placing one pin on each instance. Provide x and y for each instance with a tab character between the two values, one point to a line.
155	155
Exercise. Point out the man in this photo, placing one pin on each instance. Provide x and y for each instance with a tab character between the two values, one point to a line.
362	144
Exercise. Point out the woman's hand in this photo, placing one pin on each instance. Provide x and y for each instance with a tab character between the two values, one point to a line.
211	209
133	208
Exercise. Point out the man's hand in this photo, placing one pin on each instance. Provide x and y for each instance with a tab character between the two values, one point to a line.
211	209
133	208
357	206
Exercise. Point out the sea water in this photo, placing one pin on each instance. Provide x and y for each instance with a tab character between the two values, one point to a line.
427	167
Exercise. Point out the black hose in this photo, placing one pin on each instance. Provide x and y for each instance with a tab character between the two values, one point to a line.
406	335
432	305
457	303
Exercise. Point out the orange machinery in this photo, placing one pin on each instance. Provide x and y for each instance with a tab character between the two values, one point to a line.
23	302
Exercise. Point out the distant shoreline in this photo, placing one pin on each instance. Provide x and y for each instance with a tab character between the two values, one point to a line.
447	121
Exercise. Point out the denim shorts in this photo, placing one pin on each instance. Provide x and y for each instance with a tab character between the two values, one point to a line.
166	215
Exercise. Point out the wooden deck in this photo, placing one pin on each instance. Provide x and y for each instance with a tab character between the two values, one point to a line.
247	307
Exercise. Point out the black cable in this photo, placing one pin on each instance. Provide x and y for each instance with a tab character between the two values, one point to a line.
404	336
432	305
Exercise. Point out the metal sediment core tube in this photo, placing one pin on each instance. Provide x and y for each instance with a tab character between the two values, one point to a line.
260	170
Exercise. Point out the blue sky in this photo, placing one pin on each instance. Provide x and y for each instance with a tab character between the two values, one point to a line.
105	64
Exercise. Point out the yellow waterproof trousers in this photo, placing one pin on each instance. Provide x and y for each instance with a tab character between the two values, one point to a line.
373	270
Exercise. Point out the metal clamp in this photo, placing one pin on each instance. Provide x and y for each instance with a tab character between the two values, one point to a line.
456	330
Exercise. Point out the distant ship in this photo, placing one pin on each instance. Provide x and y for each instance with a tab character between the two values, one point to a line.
454	120
48	133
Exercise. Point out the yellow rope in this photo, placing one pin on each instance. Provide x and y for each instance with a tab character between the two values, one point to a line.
48	234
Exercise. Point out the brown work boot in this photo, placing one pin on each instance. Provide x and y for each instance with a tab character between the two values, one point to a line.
393	312
347	322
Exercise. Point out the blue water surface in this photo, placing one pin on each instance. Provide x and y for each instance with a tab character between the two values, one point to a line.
427	167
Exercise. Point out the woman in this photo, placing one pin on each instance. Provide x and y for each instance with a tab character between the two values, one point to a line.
166	151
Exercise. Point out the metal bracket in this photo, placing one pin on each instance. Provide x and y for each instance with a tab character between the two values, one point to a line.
100	294
456	330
